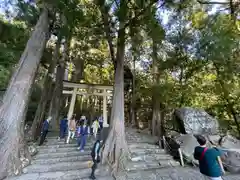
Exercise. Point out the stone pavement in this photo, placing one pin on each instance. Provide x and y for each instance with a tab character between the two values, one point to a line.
175	173
59	161
149	162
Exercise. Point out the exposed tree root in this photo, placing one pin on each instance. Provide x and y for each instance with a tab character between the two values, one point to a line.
116	151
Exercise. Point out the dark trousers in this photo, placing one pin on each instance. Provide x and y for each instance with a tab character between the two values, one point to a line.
94	167
63	131
83	141
43	137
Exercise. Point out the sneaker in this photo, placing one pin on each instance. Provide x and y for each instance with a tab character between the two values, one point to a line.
82	150
92	177
78	148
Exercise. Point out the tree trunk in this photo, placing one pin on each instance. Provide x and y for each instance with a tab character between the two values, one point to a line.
13	109
105	16
133	104
79	68
116	149
46	92
155	98
56	100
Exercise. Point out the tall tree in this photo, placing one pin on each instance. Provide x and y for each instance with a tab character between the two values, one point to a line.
115	145
15	101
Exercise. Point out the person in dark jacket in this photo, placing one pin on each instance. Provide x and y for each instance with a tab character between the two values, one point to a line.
82	133
44	130
95	156
63	127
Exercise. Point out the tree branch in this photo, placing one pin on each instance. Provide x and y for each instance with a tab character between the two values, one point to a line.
212	2
141	13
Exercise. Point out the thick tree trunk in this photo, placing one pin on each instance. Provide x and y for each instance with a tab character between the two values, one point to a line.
79	68
56	100
107	29
13	109
156	113
46	92
116	150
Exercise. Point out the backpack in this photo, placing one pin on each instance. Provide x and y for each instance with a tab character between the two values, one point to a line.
98	151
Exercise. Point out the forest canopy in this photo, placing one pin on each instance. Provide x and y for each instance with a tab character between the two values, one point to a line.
159	55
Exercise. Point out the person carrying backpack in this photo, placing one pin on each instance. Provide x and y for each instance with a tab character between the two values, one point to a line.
210	163
95	156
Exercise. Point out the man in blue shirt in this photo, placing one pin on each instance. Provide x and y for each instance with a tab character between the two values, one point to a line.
210	163
63	127
44	130
95	156
82	133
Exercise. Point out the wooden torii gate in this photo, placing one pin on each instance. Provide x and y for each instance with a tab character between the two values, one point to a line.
75	89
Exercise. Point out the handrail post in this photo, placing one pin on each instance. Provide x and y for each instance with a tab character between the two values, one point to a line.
181	156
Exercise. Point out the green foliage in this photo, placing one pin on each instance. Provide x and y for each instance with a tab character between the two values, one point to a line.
13	37
197	52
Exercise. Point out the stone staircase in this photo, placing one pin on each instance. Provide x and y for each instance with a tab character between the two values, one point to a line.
57	160
145	155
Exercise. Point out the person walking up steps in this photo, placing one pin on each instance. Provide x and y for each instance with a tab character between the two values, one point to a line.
95	127
210	163
83	132
71	128
95	156
63	128
44	130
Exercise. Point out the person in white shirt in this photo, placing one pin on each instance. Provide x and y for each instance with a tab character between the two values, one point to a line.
95	127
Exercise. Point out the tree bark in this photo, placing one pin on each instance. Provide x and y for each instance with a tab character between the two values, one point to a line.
116	150
155	98
13	109
79	68
56	100
133	104
46	92
105	16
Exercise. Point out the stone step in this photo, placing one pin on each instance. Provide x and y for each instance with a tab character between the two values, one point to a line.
142	146
150	157
63	145
55	141
139	141
147	151
60	166
80	174
62	154
144	165
63	149
62	159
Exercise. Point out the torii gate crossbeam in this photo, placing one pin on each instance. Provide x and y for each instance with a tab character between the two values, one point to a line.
74	92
